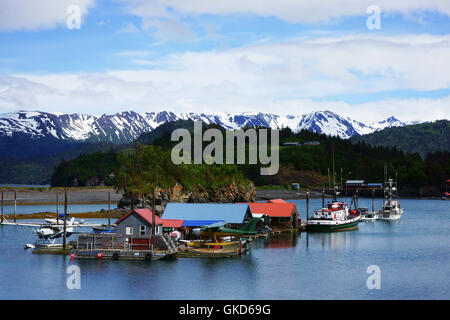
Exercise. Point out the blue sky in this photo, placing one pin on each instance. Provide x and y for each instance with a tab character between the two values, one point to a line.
284	57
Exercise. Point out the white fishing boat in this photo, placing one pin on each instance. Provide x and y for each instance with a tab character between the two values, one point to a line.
335	217
391	209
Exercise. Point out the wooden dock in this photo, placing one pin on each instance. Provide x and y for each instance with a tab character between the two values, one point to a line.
114	246
125	254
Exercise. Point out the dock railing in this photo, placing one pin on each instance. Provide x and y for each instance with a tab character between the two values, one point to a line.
93	242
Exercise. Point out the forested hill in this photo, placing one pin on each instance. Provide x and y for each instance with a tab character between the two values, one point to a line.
421	138
307	164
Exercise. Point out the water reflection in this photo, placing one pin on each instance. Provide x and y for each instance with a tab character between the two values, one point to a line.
281	241
331	240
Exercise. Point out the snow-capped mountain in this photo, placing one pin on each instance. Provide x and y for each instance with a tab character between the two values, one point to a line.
126	126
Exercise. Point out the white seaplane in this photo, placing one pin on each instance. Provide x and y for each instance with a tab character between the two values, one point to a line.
51	230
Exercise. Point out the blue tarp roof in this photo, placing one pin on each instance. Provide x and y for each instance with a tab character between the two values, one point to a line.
198	223
374	184
228	212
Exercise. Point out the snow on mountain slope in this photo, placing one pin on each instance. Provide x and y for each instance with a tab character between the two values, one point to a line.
126	126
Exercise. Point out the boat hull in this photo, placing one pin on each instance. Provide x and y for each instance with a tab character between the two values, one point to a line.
390	217
331	226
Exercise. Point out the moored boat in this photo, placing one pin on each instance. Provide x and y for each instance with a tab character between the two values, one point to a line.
217	248
335	217
367	216
390	209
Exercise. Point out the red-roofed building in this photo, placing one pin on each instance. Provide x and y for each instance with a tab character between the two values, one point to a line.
172	223
138	223
276	201
283	215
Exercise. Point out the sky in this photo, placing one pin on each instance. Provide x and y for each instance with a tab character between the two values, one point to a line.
282	57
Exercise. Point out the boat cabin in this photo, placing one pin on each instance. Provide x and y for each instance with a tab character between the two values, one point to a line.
333	211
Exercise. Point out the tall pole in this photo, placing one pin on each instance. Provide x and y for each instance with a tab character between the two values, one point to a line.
109	208
396	185
334	175
323	198
132	200
65	218
307	205
153	218
15	204
2	209
329	179
373	200
57	207
357	197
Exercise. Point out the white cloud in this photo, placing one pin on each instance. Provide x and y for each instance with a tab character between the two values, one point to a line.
297	11
288	77
128	28
35	15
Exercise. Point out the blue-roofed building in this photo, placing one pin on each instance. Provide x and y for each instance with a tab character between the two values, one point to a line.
375	185
200	214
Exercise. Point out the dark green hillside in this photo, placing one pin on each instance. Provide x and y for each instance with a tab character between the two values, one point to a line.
86	170
38	169
421	138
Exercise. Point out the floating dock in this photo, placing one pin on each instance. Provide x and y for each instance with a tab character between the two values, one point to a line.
118	247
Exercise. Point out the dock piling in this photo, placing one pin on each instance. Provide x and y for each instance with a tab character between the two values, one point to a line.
15	205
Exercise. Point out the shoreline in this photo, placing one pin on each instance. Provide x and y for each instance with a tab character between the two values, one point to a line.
61	203
115	213
48	197
289	194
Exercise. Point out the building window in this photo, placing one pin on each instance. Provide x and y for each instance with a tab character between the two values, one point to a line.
129	230
142	230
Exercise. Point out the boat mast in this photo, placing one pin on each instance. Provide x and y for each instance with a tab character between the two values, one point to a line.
334	174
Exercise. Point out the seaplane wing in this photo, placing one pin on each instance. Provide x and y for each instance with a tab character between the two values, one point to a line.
50	225
22	224
215	225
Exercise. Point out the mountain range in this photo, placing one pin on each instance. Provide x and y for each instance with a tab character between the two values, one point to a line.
124	127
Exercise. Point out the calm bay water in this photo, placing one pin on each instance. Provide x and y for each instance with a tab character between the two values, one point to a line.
413	255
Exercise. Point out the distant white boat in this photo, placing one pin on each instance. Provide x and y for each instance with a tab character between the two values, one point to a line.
367	216
391	209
